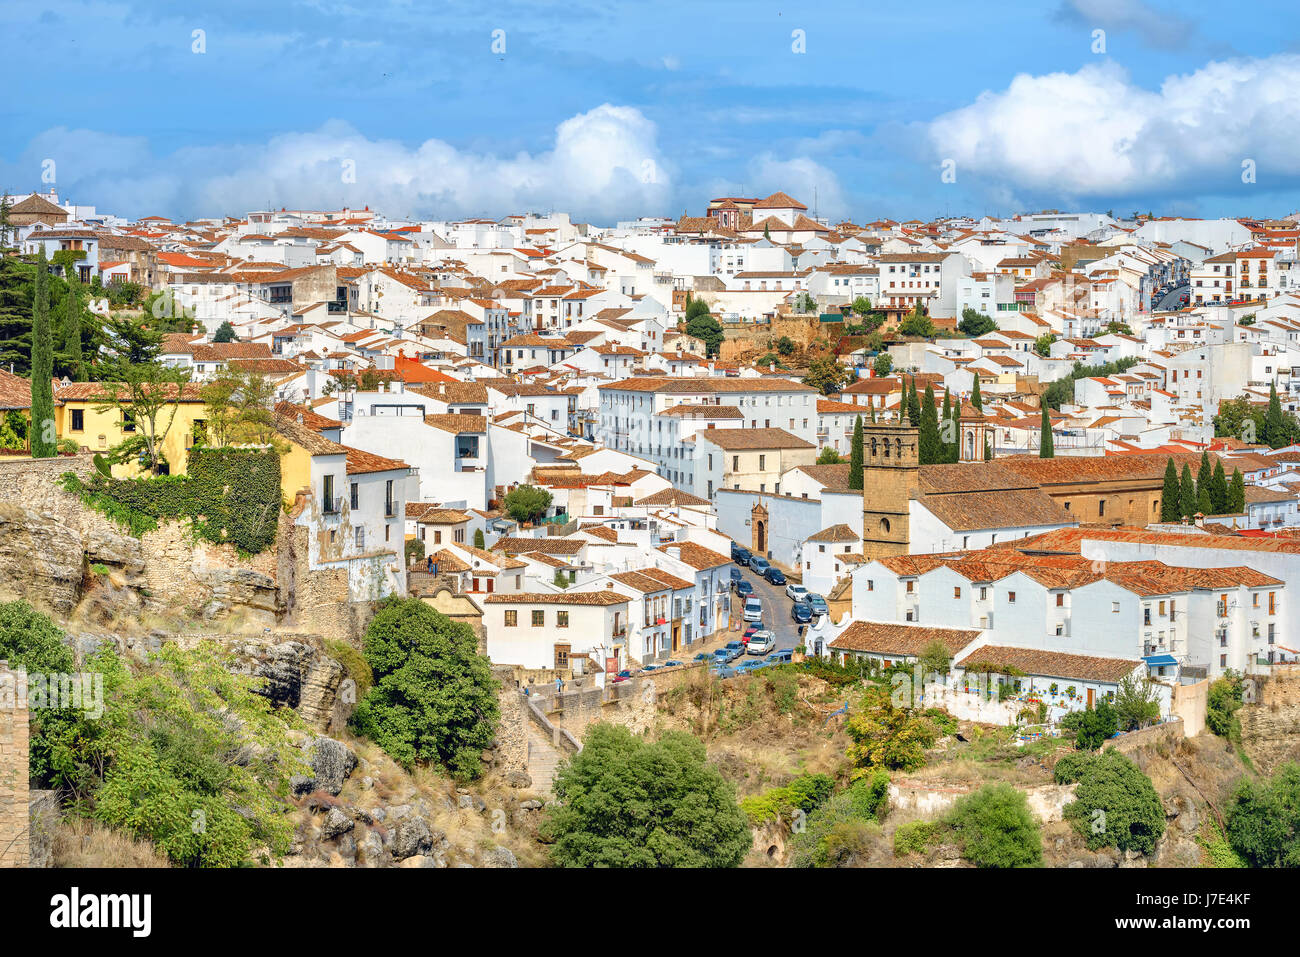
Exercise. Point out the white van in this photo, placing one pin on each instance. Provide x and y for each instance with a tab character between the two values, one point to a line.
753	609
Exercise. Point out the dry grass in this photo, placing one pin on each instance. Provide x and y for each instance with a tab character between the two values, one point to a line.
77	842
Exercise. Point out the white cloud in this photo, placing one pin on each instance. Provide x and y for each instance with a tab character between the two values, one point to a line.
1095	134
604	163
805	179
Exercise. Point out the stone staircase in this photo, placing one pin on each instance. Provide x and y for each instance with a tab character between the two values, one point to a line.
543	759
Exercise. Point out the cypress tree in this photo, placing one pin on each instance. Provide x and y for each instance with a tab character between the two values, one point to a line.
72	325
913	407
1236	494
1274	422
855	456
1219	488
1204	503
43	440
976	399
1046	447
947	430
1187	493
931	449
1170	496
988	449
1203	478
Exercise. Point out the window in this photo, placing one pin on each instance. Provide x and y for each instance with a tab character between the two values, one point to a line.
539	618
909	586
871	585
512	618
956	591
561	619
78	420
390	506
459	535
1114	607
360	536
128	421
1060	599
562	657
1272	606
355	501
1011	597
327	494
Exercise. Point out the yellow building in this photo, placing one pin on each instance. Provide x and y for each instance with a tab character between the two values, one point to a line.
83	414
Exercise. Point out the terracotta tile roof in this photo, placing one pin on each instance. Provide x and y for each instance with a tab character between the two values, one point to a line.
651	580
1054	664
704	411
549	545
15	391
457	422
605	596
834	478
672	496
707	384
740	439
312	420
835	533
697	556
360	462
100	392
895	638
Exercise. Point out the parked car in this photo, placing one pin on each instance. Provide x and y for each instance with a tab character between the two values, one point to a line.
651	667
759	565
734	649
781	657
753	609
671	663
774	575
736	576
817	603
703	656
735	550
742	556
796	592
801	613
752	664
744	588
761	643
751	629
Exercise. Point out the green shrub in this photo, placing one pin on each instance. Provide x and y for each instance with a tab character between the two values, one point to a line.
1222	702
1263	821
1115	805
1069	767
841	831
804	793
434	697
30	640
354	664
1095	725
625	801
414	551
915	837
995	828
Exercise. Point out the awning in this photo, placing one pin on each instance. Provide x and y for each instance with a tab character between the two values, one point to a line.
1160	661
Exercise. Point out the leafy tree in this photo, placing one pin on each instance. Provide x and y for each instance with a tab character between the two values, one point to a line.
861	306
883	364
916	323
1263	820
148	396
827	376
1062	390
526	503
1222	702
1187	493
1094	726
996	828
434	697
930	447
975	324
30	640
856	460
479	541
1043	344
828	456
804	303
414	551
1115	804
885	736
239	409
43	436
701	325
1115	327
935	658
1240	419
624	801
225	332
785	345
1236	493
1219	489
131	342
1137	704
1170	495
1046	445
976	399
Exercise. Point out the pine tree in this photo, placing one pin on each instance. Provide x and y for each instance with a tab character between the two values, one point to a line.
976	399
930	449
1046	447
1187	493
6	228
1236	494
1219	489
1170	496
855	456
43	441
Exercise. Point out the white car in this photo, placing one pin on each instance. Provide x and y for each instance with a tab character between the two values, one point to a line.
796	592
761	643
753	609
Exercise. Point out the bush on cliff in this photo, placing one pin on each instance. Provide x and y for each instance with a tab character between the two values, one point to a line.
434	699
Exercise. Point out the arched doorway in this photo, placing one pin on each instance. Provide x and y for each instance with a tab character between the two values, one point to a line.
758	535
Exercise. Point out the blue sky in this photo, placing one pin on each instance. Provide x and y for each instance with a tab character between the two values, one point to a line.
614	110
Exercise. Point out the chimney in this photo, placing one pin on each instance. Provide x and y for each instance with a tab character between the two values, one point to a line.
1200	520
609	585
300	418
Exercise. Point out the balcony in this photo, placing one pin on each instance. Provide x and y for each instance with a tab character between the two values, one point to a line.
332	506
